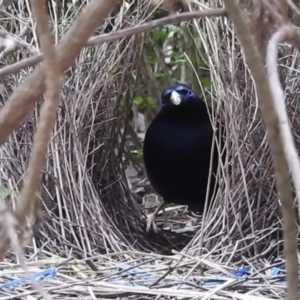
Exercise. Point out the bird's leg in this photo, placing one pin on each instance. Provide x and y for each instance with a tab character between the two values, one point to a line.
151	217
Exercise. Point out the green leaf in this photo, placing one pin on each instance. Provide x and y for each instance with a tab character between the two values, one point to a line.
206	82
4	192
138	100
151	59
138	153
160	75
180	61
150	101
160	34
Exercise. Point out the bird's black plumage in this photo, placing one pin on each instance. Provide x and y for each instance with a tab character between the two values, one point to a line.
177	149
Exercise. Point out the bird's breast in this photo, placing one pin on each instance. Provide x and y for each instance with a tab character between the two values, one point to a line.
177	159
170	149
180	137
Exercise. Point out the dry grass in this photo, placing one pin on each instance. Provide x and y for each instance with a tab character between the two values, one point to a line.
248	225
89	207
137	275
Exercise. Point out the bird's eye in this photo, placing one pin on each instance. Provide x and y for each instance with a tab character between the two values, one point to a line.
190	93
163	102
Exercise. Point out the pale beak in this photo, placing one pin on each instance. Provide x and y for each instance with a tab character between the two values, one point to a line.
175	98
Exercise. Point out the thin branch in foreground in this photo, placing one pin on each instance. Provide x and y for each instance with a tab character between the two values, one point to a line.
25	96
289	219
268	110
10	226
279	101
27	207
109	37
47	116
292	36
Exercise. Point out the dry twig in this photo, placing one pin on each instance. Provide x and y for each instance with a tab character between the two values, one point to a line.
27	204
47	116
98	40
279	101
268	110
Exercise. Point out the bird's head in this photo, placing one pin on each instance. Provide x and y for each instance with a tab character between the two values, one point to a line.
180	104
178	95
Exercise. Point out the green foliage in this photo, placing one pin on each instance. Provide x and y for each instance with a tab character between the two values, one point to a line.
206	82
160	35
144	101
179	45
138	153
170	54
4	192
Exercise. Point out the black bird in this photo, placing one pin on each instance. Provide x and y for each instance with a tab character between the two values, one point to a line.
177	150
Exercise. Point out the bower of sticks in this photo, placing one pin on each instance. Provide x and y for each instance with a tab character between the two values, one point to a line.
95	196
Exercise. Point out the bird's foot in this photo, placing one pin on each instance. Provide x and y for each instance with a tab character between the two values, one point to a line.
151	223
194	213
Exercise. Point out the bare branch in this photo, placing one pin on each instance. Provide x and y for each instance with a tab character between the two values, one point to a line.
279	101
291	34
28	205
48	113
271	120
98	40
24	97
10	228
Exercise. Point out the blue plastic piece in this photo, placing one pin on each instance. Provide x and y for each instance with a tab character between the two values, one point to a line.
49	273
241	272
238	273
276	271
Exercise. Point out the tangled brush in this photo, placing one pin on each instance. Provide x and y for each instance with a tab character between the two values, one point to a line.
245	221
87	203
